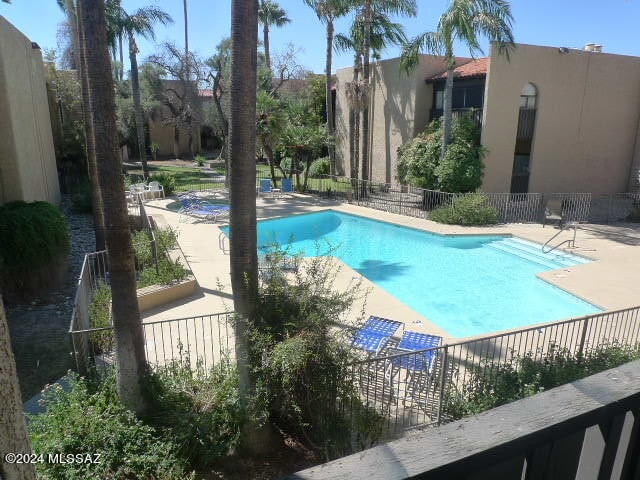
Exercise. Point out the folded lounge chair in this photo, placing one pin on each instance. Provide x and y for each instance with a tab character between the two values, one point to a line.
193	206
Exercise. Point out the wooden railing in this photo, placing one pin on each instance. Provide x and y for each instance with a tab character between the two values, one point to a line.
586	429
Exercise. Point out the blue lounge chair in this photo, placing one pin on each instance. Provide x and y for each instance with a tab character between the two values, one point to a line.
287	185
266	187
416	354
374	335
195	207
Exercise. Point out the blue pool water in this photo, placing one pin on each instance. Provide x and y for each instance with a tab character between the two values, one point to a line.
466	285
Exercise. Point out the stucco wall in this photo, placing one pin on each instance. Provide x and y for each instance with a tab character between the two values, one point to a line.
27	156
399	111
588	108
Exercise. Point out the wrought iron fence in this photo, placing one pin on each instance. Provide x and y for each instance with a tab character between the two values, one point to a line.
205	341
413	389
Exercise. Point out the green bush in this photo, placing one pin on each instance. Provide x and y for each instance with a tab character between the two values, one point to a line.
321	166
302	367
33	248
460	171
167	180
634	216
169	271
199	410
81	201
200	160
491	385
99	317
469	209
90	419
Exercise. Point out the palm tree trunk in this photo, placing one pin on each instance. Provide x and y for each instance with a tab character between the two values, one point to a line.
92	167
268	153
121	51
365	92
331	127
265	40
447	110
13	429
139	114
131	360
176	141
72	18
242	144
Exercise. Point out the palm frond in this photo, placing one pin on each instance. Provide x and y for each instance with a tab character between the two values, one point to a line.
430	42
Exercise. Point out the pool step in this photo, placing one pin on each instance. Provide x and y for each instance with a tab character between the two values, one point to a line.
533	252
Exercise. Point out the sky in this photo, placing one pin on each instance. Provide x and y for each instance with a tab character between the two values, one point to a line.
561	23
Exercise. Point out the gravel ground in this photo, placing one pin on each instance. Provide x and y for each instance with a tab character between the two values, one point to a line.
39	329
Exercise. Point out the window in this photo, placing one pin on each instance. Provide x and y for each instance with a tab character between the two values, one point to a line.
439	103
528	97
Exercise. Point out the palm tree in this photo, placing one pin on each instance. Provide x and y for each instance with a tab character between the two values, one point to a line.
270	13
242	151
186	29
132	365
466	21
383	33
13	436
74	20
140	22
270	123
368	11
328	11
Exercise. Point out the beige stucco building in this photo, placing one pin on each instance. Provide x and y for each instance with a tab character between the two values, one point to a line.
553	119
27	156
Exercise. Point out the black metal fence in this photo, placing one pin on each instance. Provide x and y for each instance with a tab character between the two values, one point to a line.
418	388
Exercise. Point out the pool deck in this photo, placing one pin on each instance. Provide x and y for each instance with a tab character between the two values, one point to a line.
611	281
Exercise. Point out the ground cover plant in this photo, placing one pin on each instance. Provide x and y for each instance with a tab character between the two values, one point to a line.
469	209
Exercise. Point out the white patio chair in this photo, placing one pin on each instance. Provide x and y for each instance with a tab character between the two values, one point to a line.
154	188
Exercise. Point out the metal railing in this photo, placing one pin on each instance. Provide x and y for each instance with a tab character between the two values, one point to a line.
418	202
205	340
416	389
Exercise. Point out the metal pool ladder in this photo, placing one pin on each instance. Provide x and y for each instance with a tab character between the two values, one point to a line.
222	244
571	242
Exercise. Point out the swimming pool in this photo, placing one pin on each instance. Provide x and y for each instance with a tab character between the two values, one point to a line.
467	285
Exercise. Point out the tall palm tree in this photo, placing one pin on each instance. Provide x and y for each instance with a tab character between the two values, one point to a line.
132	365
186	28
70	9
328	11
13	430
270	13
466	21
242	151
367	12
383	33
140	22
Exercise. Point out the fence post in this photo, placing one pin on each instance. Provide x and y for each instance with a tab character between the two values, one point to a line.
583	337
443	371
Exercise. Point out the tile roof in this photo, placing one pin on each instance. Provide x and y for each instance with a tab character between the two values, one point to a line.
474	69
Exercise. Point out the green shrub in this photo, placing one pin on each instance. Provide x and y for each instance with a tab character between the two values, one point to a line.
81	201
200	160
169	271
460	171
470	209
321	166
199	410
99	317
33	248
167	180
634	216
490	385
302	367
90	419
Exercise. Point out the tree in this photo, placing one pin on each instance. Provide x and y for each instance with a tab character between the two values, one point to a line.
140	22
219	76
242	143
383	32
270	13
367	13
328	11
179	94
13	429
270	123
466	21
130	352
186	28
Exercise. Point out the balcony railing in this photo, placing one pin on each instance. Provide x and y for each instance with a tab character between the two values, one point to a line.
586	429
475	114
